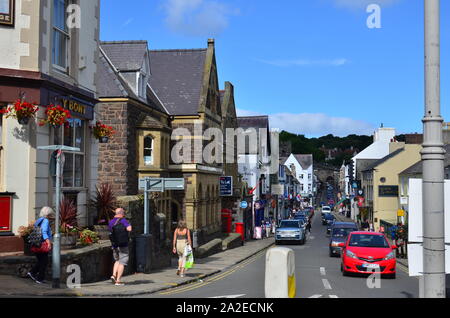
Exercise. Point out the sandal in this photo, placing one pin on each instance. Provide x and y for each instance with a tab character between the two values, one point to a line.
119	284
178	272
113	279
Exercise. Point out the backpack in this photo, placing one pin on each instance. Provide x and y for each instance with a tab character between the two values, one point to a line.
35	238
119	236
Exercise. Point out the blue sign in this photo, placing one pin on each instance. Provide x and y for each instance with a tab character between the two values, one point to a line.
226	186
244	204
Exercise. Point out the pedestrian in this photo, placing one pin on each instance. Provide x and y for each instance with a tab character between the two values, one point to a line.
37	273
120	235
181	238
400	241
365	225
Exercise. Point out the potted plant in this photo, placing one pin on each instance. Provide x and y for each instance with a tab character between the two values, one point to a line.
24	233
21	110
88	237
102	132
55	116
104	203
68	224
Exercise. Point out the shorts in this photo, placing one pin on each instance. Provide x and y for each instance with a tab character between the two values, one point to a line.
121	255
181	244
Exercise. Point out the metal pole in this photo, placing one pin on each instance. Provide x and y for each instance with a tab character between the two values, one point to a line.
56	252
433	161
146	207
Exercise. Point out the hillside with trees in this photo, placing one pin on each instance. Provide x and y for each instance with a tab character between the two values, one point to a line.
330	149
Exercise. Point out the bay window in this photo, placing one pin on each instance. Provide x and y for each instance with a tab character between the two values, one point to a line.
72	135
148	151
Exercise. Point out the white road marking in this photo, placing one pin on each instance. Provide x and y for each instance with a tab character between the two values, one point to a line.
326	283
333	296
322	271
315	296
229	296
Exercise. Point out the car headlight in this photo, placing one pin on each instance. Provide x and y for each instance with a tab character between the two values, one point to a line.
391	255
350	254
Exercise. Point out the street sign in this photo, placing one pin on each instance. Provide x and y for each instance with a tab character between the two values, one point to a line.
226	186
244	204
162	184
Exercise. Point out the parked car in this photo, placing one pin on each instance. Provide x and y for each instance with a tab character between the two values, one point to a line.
339	232
327	219
326	209
368	253
290	231
301	217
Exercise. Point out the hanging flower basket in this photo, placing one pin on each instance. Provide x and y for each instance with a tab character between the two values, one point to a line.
102	132
22	111
56	116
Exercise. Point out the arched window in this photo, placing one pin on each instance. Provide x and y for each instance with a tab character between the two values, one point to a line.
148	151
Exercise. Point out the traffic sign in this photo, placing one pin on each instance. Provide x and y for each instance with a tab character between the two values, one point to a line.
162	184
244	204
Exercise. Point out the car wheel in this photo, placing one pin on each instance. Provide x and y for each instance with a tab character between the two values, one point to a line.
331	254
344	273
391	276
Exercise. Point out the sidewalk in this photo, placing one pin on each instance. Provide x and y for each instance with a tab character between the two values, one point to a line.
341	218
138	284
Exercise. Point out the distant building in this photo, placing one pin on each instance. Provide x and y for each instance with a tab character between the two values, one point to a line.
302	167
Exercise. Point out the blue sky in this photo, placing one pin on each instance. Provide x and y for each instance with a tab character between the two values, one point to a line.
312	65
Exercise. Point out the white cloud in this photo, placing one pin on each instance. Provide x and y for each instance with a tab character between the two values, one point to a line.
306	62
315	124
198	17
359	4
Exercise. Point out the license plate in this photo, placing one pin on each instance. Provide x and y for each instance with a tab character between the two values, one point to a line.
371	266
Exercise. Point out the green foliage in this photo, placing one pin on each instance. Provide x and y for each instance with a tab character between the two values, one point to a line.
303	145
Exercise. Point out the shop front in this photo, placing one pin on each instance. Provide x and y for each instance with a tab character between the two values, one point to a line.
27	175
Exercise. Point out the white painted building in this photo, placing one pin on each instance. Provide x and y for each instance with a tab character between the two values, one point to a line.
45	60
378	149
303	168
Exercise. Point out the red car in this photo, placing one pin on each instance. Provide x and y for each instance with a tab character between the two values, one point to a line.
368	253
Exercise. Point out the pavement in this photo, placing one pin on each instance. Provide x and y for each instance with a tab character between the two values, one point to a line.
401	261
138	284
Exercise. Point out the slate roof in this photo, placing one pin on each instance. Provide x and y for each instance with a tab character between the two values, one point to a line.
383	160
118	57
177	79
305	160
253	122
417	168
126	55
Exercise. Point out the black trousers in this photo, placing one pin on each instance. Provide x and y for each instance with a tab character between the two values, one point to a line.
40	268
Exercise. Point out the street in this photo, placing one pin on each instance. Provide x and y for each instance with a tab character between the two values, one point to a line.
317	276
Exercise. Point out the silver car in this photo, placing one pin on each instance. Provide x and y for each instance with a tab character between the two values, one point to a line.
290	231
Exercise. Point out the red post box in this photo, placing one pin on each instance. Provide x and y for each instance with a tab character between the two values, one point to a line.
240	230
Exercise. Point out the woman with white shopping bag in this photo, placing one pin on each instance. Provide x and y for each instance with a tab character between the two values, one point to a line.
181	240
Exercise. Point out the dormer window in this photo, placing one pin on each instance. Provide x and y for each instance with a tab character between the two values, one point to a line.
142	85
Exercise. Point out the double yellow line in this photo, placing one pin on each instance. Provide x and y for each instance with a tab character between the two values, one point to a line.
214	278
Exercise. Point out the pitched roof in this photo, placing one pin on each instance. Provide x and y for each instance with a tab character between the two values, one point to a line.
177	79
126	55
383	160
305	160
111	83
417	168
253	122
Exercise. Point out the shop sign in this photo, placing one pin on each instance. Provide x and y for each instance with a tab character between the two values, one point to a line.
388	191
226	186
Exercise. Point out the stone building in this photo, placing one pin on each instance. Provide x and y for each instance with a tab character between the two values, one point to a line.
46	60
186	82
140	147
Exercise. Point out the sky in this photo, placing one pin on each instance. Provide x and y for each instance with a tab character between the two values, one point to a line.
313	66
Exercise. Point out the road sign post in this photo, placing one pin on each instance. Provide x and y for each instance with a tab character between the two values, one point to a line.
143	242
56	250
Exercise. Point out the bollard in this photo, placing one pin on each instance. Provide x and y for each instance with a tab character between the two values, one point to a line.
280	273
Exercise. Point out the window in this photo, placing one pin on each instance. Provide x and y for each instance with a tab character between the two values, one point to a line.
60	35
142	85
148	151
72	135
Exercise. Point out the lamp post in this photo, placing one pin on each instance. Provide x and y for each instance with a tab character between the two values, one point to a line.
433	154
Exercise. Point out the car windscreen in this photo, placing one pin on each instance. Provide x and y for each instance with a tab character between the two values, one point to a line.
286	224
342	232
367	240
